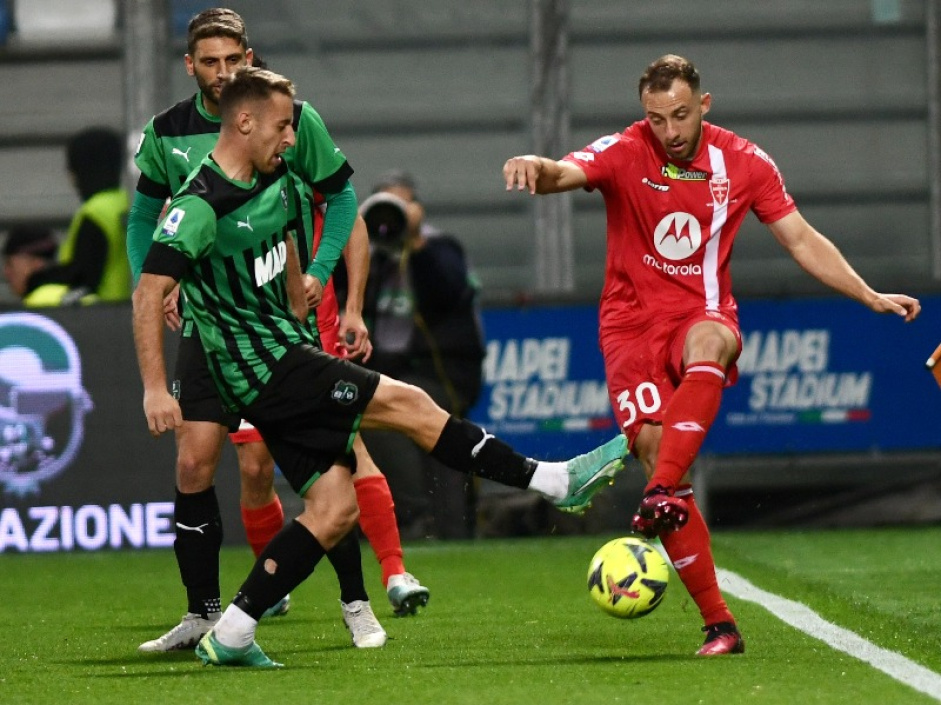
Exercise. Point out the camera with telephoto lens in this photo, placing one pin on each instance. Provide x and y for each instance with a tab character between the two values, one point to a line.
386	220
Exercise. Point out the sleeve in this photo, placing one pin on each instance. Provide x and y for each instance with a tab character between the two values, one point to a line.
770	200
141	221
149	158
597	160
186	234
315	157
337	225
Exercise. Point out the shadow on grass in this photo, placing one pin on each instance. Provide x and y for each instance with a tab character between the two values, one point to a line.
148	668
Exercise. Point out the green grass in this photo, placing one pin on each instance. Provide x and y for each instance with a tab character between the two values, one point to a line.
509	622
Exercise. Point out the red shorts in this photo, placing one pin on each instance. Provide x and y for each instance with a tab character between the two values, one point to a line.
645	366
330	340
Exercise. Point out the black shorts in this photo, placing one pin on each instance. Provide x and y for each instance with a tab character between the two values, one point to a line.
194	388
309	412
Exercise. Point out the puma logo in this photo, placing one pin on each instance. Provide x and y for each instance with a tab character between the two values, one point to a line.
477	448
244	224
197	529
185	155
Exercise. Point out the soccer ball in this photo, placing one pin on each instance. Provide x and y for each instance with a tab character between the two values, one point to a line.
627	578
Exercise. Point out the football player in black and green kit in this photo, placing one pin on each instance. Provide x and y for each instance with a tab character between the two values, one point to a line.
227	238
172	145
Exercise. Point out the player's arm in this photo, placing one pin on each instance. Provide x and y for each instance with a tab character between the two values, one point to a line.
160	408
295	282
354	335
820	258
337	225
186	233
141	221
542	175
150	196
322	165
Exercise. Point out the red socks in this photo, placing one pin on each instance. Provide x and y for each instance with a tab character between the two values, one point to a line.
686	421
377	520
262	524
689	550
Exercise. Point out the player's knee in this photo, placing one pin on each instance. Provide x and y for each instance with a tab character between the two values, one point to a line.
331	522
349	518
714	343
257	490
256	473
194	470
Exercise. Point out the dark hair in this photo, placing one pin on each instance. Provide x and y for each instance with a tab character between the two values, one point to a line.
216	22
660	75
96	157
396	177
30	240
251	83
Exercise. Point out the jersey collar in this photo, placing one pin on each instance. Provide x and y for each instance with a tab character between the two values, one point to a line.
211	161
201	109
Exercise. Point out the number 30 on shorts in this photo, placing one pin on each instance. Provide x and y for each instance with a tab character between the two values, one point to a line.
646	397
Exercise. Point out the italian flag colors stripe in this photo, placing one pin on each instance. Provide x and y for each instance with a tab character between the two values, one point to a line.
835	416
592	424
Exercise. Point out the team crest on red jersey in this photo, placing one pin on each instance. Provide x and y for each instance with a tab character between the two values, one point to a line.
720	190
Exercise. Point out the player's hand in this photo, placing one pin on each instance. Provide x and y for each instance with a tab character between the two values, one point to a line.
522	172
354	338
171	308
313	290
162	412
899	304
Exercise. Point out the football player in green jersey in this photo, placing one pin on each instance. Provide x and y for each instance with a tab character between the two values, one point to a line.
172	145
243	287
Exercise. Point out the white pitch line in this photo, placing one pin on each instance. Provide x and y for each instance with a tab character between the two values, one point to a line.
806	620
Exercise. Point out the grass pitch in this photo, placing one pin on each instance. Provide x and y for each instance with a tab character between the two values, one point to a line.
509	622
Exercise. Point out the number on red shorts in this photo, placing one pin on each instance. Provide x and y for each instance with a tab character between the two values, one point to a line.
646	398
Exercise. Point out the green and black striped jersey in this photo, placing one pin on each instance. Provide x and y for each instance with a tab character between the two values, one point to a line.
226	241
177	140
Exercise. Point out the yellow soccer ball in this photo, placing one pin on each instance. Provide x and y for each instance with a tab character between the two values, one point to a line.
628	578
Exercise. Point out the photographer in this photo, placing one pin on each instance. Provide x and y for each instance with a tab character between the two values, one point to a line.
421	307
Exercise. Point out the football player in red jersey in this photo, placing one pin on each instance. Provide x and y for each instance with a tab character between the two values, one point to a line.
676	190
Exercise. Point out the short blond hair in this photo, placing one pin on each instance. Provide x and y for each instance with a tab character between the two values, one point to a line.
251	83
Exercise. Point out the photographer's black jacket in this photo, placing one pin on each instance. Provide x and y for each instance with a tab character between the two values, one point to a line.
428	310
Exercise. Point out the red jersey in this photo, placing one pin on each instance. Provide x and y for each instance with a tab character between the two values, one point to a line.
671	223
328	311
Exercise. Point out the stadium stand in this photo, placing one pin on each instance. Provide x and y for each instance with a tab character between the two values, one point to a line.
834	91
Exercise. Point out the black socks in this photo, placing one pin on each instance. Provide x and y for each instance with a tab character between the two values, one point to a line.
197	544
347	561
468	448
285	563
